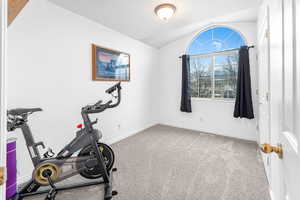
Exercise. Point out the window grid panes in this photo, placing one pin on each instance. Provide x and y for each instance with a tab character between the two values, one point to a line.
214	76
214	63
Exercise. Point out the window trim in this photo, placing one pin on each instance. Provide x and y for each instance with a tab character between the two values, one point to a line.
223	100
212	56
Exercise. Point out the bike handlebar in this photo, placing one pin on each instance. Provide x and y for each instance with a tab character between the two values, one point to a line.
113	88
99	107
119	99
98	103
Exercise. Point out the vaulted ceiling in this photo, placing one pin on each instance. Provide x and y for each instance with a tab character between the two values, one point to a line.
136	18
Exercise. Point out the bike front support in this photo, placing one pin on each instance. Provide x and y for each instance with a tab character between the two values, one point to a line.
107	188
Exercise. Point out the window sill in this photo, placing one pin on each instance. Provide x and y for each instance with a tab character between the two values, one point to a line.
213	100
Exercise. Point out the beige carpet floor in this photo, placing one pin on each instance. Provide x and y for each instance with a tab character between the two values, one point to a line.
166	163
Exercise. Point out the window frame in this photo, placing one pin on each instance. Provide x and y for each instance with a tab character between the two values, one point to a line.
212	56
212	26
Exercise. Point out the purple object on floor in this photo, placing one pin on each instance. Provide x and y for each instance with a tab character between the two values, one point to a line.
11	163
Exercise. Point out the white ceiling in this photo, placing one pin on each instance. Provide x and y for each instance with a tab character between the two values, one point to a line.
136	18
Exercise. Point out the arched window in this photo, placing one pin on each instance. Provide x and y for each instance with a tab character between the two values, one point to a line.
214	62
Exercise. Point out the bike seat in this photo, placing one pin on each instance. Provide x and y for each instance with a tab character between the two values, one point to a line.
21	111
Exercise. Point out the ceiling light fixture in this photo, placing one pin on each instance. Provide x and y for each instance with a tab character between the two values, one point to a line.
165	11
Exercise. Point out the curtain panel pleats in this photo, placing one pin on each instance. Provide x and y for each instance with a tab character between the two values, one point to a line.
243	102
185	85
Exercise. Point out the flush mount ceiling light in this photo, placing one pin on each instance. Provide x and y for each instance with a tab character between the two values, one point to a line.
165	11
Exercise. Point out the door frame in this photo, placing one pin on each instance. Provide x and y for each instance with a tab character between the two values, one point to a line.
3	106
264	30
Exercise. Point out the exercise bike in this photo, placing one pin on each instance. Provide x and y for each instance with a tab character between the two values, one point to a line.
94	160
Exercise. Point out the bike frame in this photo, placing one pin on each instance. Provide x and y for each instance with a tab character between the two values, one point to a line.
84	137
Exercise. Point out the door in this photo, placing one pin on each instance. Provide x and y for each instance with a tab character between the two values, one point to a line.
264	88
284	34
290	135
3	22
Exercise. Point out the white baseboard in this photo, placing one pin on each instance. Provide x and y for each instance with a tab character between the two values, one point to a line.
126	135
213	133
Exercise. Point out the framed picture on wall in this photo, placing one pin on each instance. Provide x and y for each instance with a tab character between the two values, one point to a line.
110	65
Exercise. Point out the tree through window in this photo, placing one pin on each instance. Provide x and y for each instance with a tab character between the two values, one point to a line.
214	63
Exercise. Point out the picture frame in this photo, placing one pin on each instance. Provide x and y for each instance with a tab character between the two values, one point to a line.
109	64
14	8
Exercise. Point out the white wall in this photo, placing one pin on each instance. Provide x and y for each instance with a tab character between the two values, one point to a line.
49	66
213	116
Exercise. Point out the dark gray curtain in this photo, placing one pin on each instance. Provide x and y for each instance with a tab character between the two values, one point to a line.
243	102
185	90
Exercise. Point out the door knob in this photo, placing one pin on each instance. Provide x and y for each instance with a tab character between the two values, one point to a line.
1	175
267	148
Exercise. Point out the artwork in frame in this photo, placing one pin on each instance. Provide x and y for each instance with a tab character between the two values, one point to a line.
110	65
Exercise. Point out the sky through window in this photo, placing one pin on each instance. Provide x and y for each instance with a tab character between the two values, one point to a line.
215	39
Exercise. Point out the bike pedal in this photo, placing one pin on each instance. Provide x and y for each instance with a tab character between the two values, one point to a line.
114	193
51	195
114	169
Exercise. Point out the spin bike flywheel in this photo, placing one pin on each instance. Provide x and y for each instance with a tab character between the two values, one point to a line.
108	156
39	173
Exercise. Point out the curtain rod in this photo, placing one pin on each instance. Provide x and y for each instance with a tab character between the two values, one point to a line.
222	51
